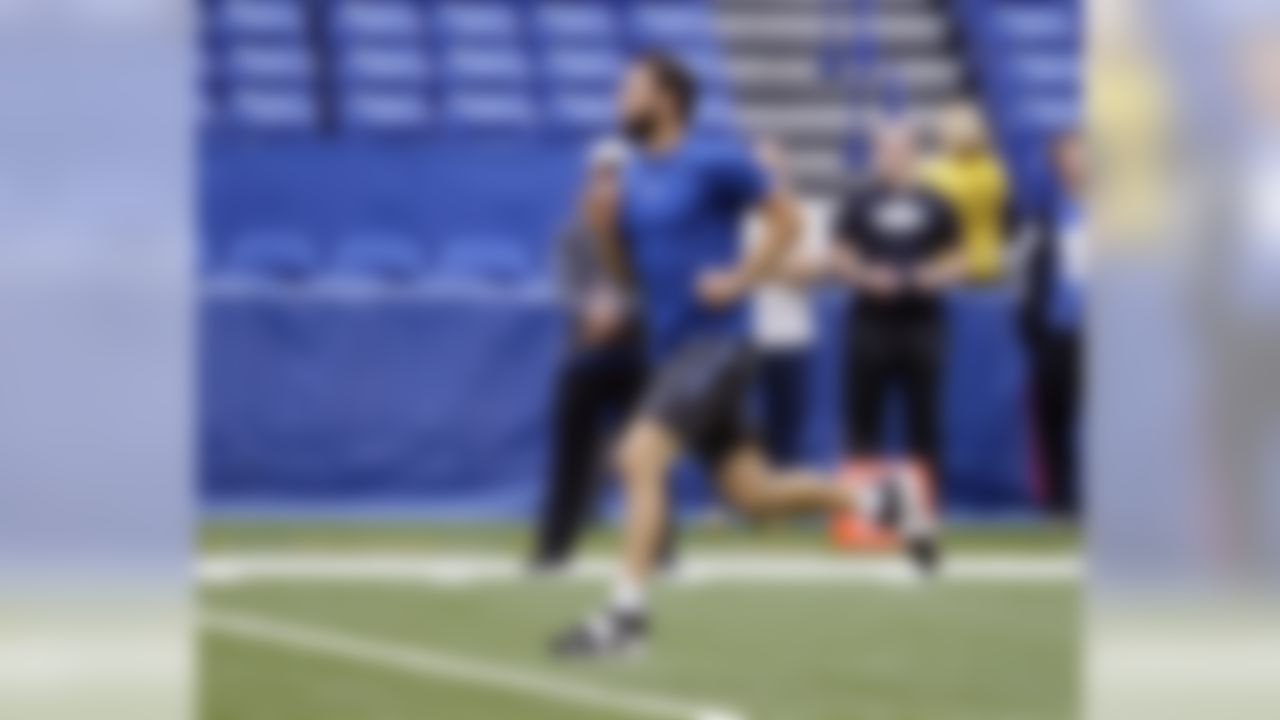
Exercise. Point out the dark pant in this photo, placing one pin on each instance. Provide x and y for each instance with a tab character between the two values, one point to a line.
595	395
1056	375
883	357
784	392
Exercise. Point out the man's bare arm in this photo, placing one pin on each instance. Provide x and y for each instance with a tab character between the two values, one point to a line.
601	212
780	230
846	264
801	272
780	225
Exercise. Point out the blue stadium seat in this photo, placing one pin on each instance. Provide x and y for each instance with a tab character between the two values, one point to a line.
574	65
663	22
581	110
485	64
268	61
282	254
1032	24
1050	113
289	108
380	19
715	112
478	19
379	254
383	64
385	110
491	110
1024	54
564	21
1050	69
703	60
245	18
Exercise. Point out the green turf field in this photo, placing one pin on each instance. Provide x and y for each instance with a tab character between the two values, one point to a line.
398	650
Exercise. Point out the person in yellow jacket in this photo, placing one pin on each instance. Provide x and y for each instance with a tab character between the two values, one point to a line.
969	175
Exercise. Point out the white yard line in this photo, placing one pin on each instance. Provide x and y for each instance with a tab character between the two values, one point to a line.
424	662
707	569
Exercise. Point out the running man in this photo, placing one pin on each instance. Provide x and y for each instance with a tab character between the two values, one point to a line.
679	209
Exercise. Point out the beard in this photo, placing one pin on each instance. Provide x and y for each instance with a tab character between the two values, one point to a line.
639	128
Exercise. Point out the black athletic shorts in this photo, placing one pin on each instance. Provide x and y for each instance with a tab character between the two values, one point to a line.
702	394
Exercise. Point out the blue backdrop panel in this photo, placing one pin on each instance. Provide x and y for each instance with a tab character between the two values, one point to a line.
986	408
441	404
444	407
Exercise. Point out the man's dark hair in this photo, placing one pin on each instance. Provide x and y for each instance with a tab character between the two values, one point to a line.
674	78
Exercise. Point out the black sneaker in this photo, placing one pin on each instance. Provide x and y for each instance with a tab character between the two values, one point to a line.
926	553
547	567
611	634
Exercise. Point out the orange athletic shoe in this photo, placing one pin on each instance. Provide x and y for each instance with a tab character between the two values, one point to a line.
856	529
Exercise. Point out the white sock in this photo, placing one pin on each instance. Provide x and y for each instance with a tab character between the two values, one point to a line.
919	519
629	596
867	500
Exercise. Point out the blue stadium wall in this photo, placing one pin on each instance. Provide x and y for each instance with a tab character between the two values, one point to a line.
441	407
404	402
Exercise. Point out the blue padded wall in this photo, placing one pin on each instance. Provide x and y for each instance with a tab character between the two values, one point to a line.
443	407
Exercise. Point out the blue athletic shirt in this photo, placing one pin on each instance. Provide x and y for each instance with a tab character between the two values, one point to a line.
681	215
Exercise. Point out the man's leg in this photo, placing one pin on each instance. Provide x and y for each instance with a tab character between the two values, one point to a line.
573	467
868	373
625	391
866	379
645	457
756	489
1059	403
921	374
648	451
921	371
684	399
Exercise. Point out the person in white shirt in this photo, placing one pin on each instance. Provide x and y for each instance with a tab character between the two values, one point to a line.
784	328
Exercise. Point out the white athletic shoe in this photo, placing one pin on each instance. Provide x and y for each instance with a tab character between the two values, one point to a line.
903	506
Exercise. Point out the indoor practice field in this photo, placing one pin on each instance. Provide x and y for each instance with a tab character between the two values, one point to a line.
391	622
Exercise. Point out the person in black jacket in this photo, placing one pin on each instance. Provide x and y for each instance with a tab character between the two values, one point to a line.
898	250
1053	320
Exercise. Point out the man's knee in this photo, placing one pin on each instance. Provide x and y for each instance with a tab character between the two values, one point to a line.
644	452
747	499
742	479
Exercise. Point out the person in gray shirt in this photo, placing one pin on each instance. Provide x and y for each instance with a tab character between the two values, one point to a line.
601	377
